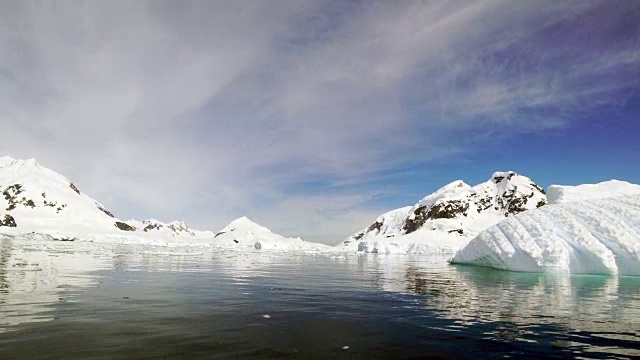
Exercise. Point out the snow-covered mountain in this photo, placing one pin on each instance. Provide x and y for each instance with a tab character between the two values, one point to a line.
172	229
39	203
244	233
593	236
35	198
447	219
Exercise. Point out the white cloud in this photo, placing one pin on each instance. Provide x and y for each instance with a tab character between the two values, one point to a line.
210	110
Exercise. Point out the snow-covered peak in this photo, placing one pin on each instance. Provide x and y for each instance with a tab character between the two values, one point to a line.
244	224
457	210
506	193
244	233
38	198
9	162
563	193
454	189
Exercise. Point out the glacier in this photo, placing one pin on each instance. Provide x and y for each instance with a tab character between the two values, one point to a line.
592	236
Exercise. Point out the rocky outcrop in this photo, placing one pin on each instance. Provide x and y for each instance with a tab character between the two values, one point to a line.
74	188
459	209
150	227
8	221
124	226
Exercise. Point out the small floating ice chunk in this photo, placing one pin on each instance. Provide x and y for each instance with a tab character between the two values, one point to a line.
266	316
345	348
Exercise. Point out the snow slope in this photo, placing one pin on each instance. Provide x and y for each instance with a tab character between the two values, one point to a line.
561	193
37	203
448	219
174	229
243	233
597	236
39	199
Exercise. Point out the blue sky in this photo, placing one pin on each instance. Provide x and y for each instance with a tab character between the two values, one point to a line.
313	117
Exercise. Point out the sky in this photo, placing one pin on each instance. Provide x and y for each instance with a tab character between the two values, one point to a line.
314	117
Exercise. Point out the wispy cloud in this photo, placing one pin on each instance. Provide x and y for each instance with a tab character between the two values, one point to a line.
300	114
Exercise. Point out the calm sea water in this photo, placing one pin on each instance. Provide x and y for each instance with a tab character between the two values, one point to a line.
74	300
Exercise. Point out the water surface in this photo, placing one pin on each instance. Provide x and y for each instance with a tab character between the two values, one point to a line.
83	300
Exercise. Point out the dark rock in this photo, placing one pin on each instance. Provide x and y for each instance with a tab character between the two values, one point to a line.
375	227
538	188
419	219
124	226
11	195
484	204
8	221
108	213
152	227
74	188
448	210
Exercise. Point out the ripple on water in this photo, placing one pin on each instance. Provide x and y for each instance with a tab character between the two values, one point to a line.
88	300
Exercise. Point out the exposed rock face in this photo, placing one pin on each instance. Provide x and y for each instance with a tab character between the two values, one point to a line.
459	209
124	226
180	227
74	188
506	193
108	213
12	195
150	227
8	221
445	210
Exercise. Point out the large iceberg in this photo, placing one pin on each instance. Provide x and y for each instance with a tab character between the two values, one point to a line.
596	236
557	194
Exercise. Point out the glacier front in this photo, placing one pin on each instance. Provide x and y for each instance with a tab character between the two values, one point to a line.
596	236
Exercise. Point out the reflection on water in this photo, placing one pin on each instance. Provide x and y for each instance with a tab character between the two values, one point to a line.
36	275
584	307
380	306
5	254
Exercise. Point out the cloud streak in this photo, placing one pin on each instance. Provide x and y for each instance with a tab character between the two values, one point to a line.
301	114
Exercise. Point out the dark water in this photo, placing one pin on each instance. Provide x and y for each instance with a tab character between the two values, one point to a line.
74	300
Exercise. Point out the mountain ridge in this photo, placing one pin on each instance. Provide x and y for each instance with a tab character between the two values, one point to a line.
456	210
37	200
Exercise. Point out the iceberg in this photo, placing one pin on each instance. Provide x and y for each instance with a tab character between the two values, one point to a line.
594	236
557	194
